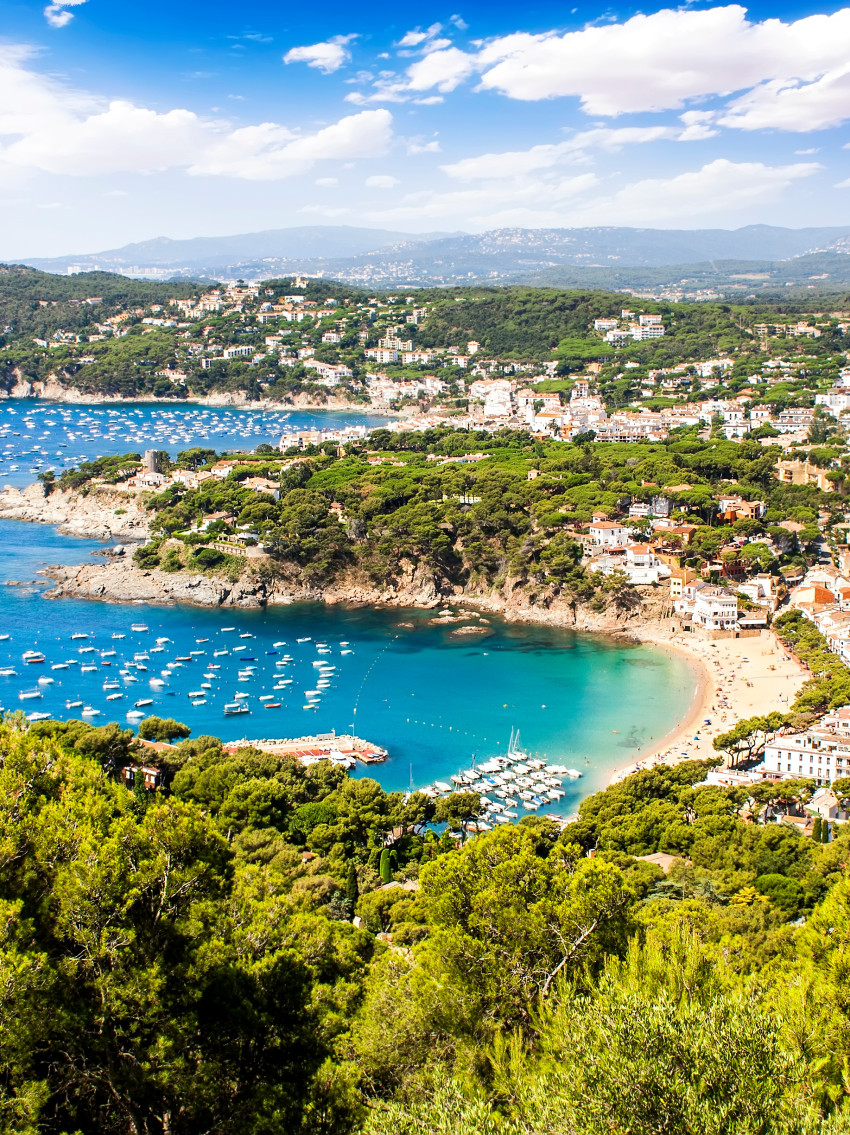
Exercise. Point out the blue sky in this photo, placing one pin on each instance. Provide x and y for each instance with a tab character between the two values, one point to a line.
120	122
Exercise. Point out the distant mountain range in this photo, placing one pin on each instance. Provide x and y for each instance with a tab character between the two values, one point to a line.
758	256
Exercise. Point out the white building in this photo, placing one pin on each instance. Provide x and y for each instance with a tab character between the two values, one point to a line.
715	608
817	753
609	534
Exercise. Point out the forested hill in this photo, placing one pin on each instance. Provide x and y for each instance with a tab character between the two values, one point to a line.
40	303
255	947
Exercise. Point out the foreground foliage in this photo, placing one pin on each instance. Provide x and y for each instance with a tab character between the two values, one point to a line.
185	960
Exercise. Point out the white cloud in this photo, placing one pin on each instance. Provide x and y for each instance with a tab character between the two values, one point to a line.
546	156
327	182
327	57
57	14
417	37
381	181
444	70
543	197
795	73
720	187
49	127
659	61
783	104
268	152
522	201
420	146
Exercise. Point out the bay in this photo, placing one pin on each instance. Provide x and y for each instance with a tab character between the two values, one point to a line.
435	699
37	435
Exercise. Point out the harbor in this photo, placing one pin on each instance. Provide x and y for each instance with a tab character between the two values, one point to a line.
508	786
343	749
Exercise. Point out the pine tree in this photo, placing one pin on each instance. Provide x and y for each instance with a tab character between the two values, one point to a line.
352	891
386	869
816	829
824	831
140	793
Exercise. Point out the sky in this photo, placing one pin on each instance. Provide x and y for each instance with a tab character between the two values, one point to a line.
123	122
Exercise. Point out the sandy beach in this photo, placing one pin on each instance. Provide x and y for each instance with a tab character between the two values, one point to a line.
735	678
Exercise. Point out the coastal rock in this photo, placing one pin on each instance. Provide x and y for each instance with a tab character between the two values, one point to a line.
103	513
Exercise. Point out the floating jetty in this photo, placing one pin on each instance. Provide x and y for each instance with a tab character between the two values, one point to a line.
508	786
338	748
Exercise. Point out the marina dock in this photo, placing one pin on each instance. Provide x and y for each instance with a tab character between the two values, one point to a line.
338	748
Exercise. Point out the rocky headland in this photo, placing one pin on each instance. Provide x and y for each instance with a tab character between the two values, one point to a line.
52	390
103	513
114	513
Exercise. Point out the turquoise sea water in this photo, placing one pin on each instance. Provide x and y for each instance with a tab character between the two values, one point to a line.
433	698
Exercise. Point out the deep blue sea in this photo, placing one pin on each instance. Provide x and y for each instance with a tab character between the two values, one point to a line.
432	698
36	436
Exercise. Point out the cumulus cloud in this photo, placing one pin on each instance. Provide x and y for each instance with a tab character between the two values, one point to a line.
719	187
57	14
794	106
521	201
790	75
417	37
50	127
548	155
327	56
420	146
538	194
381	181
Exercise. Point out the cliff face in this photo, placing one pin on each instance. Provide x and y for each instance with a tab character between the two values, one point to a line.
53	390
107	512
102	514
120	580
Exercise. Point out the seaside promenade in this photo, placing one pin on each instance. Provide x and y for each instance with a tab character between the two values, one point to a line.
736	678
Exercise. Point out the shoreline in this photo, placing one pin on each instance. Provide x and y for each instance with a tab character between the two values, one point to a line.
740	678
734	678
224	401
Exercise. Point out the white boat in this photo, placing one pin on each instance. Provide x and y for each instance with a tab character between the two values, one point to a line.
25	695
114	697
196	693
235	707
4	637
73	636
135	715
276	644
73	704
143	701
138	627
573	773
160	641
266	697
59	666
200	701
8	673
224	630
119	636
37	716
89	712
